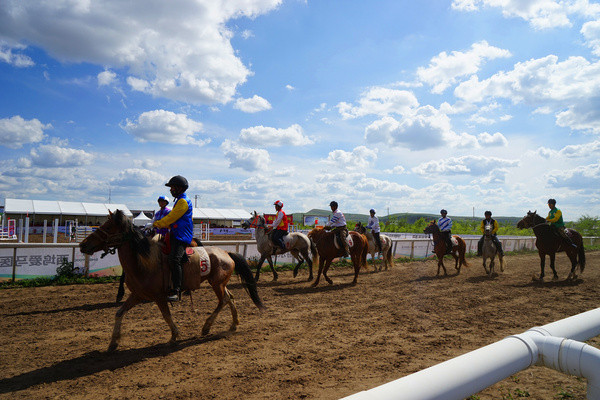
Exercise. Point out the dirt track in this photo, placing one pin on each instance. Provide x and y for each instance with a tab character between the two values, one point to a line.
312	343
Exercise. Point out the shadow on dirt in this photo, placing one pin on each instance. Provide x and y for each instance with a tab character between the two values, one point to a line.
551	284
84	307
482	278
434	277
312	289
95	361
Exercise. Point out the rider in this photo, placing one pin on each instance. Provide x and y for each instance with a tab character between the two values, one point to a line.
164	210
338	224
445	225
373	224
182	230
279	226
488	220
556	222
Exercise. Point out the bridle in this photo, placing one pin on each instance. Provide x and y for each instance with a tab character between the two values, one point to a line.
254	223
112	241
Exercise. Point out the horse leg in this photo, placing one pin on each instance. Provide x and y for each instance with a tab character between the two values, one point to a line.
321	263
270	261
542	265
234	314
325	269
484	266
573	257
356	262
456	266
491	266
131	301
121	291
552	257
223	297
166	313
259	266
303	256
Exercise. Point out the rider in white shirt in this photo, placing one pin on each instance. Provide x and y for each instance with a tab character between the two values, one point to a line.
337	223
373	224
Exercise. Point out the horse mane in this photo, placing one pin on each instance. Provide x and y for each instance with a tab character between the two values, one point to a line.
148	251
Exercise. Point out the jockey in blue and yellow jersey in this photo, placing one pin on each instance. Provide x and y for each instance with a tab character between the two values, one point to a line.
445	225
279	226
488	220
182	230
555	218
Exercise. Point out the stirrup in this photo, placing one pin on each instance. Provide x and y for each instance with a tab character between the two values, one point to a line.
174	296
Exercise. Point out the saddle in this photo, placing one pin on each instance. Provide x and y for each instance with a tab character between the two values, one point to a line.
338	245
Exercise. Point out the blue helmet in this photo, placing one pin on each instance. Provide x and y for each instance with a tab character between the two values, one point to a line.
163	198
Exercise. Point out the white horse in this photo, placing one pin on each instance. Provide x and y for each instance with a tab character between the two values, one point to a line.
489	250
386	246
297	243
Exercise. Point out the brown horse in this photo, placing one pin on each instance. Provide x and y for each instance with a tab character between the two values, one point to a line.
324	240
548	243
386	246
147	272
458	250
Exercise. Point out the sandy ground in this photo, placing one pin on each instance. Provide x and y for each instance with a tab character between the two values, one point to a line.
311	343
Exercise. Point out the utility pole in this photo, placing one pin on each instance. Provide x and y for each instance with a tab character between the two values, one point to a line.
196	200
109	195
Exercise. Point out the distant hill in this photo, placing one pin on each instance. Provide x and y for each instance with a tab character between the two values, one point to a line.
409	217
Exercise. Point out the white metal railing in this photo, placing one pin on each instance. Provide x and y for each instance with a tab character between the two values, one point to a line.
553	345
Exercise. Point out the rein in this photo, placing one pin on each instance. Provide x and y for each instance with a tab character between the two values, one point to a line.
111	241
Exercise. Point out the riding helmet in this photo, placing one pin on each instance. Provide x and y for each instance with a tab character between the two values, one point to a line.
278	203
163	198
551	201
442	211
333	204
372	211
177	180
488	213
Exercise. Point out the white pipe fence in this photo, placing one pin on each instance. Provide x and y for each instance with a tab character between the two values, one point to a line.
553	345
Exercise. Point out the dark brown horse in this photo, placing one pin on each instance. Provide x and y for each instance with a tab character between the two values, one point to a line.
147	273
324	240
548	243
458	250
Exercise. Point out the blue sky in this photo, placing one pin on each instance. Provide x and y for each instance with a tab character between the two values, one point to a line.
409	106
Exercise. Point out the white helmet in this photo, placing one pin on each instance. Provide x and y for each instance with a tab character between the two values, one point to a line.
278	203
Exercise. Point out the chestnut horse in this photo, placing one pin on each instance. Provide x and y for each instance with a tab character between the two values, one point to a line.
297	243
147	272
386	246
324	240
548	243
458	250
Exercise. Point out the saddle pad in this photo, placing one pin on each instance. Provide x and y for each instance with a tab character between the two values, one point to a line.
454	241
204	259
348	240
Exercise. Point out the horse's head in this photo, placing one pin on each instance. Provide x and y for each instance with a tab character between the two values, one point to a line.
528	221
359	227
113	233
487	230
431	228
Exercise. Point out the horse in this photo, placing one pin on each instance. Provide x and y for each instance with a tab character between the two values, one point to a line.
458	249
327	249
297	243
386	246
147	272
549	244
489	250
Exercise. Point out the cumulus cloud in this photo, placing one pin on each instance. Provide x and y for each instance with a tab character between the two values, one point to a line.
252	105
445	69
487	140
106	78
16	131
290	87
246	158
572	151
56	156
423	129
165	127
264	136
137	177
465	165
194	63
397	170
540	14
583	177
379	101
359	158
9	54
495	176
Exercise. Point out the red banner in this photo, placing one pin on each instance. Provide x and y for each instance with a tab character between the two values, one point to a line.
269	218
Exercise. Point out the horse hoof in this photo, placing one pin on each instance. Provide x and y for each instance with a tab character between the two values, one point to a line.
275	278
233	328
295	273
112	347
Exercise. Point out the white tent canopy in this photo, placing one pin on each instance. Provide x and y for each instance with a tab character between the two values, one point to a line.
67	208
141	220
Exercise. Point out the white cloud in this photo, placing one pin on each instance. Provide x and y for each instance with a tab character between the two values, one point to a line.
8	56
572	151
165	127
55	156
445	69
397	170
245	158
139	85
252	105
379	101
194	63
487	140
247	34
359	158
465	165
264	136
290	87
495	176
16	131
424	129
586	177
137	177
106	78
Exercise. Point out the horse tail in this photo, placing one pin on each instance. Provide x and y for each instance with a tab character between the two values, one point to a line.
389	255
461	253
581	256
243	270
314	252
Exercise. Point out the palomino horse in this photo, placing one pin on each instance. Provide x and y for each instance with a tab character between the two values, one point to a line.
548	243
386	246
147	273
297	243
327	249
489	250
458	249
